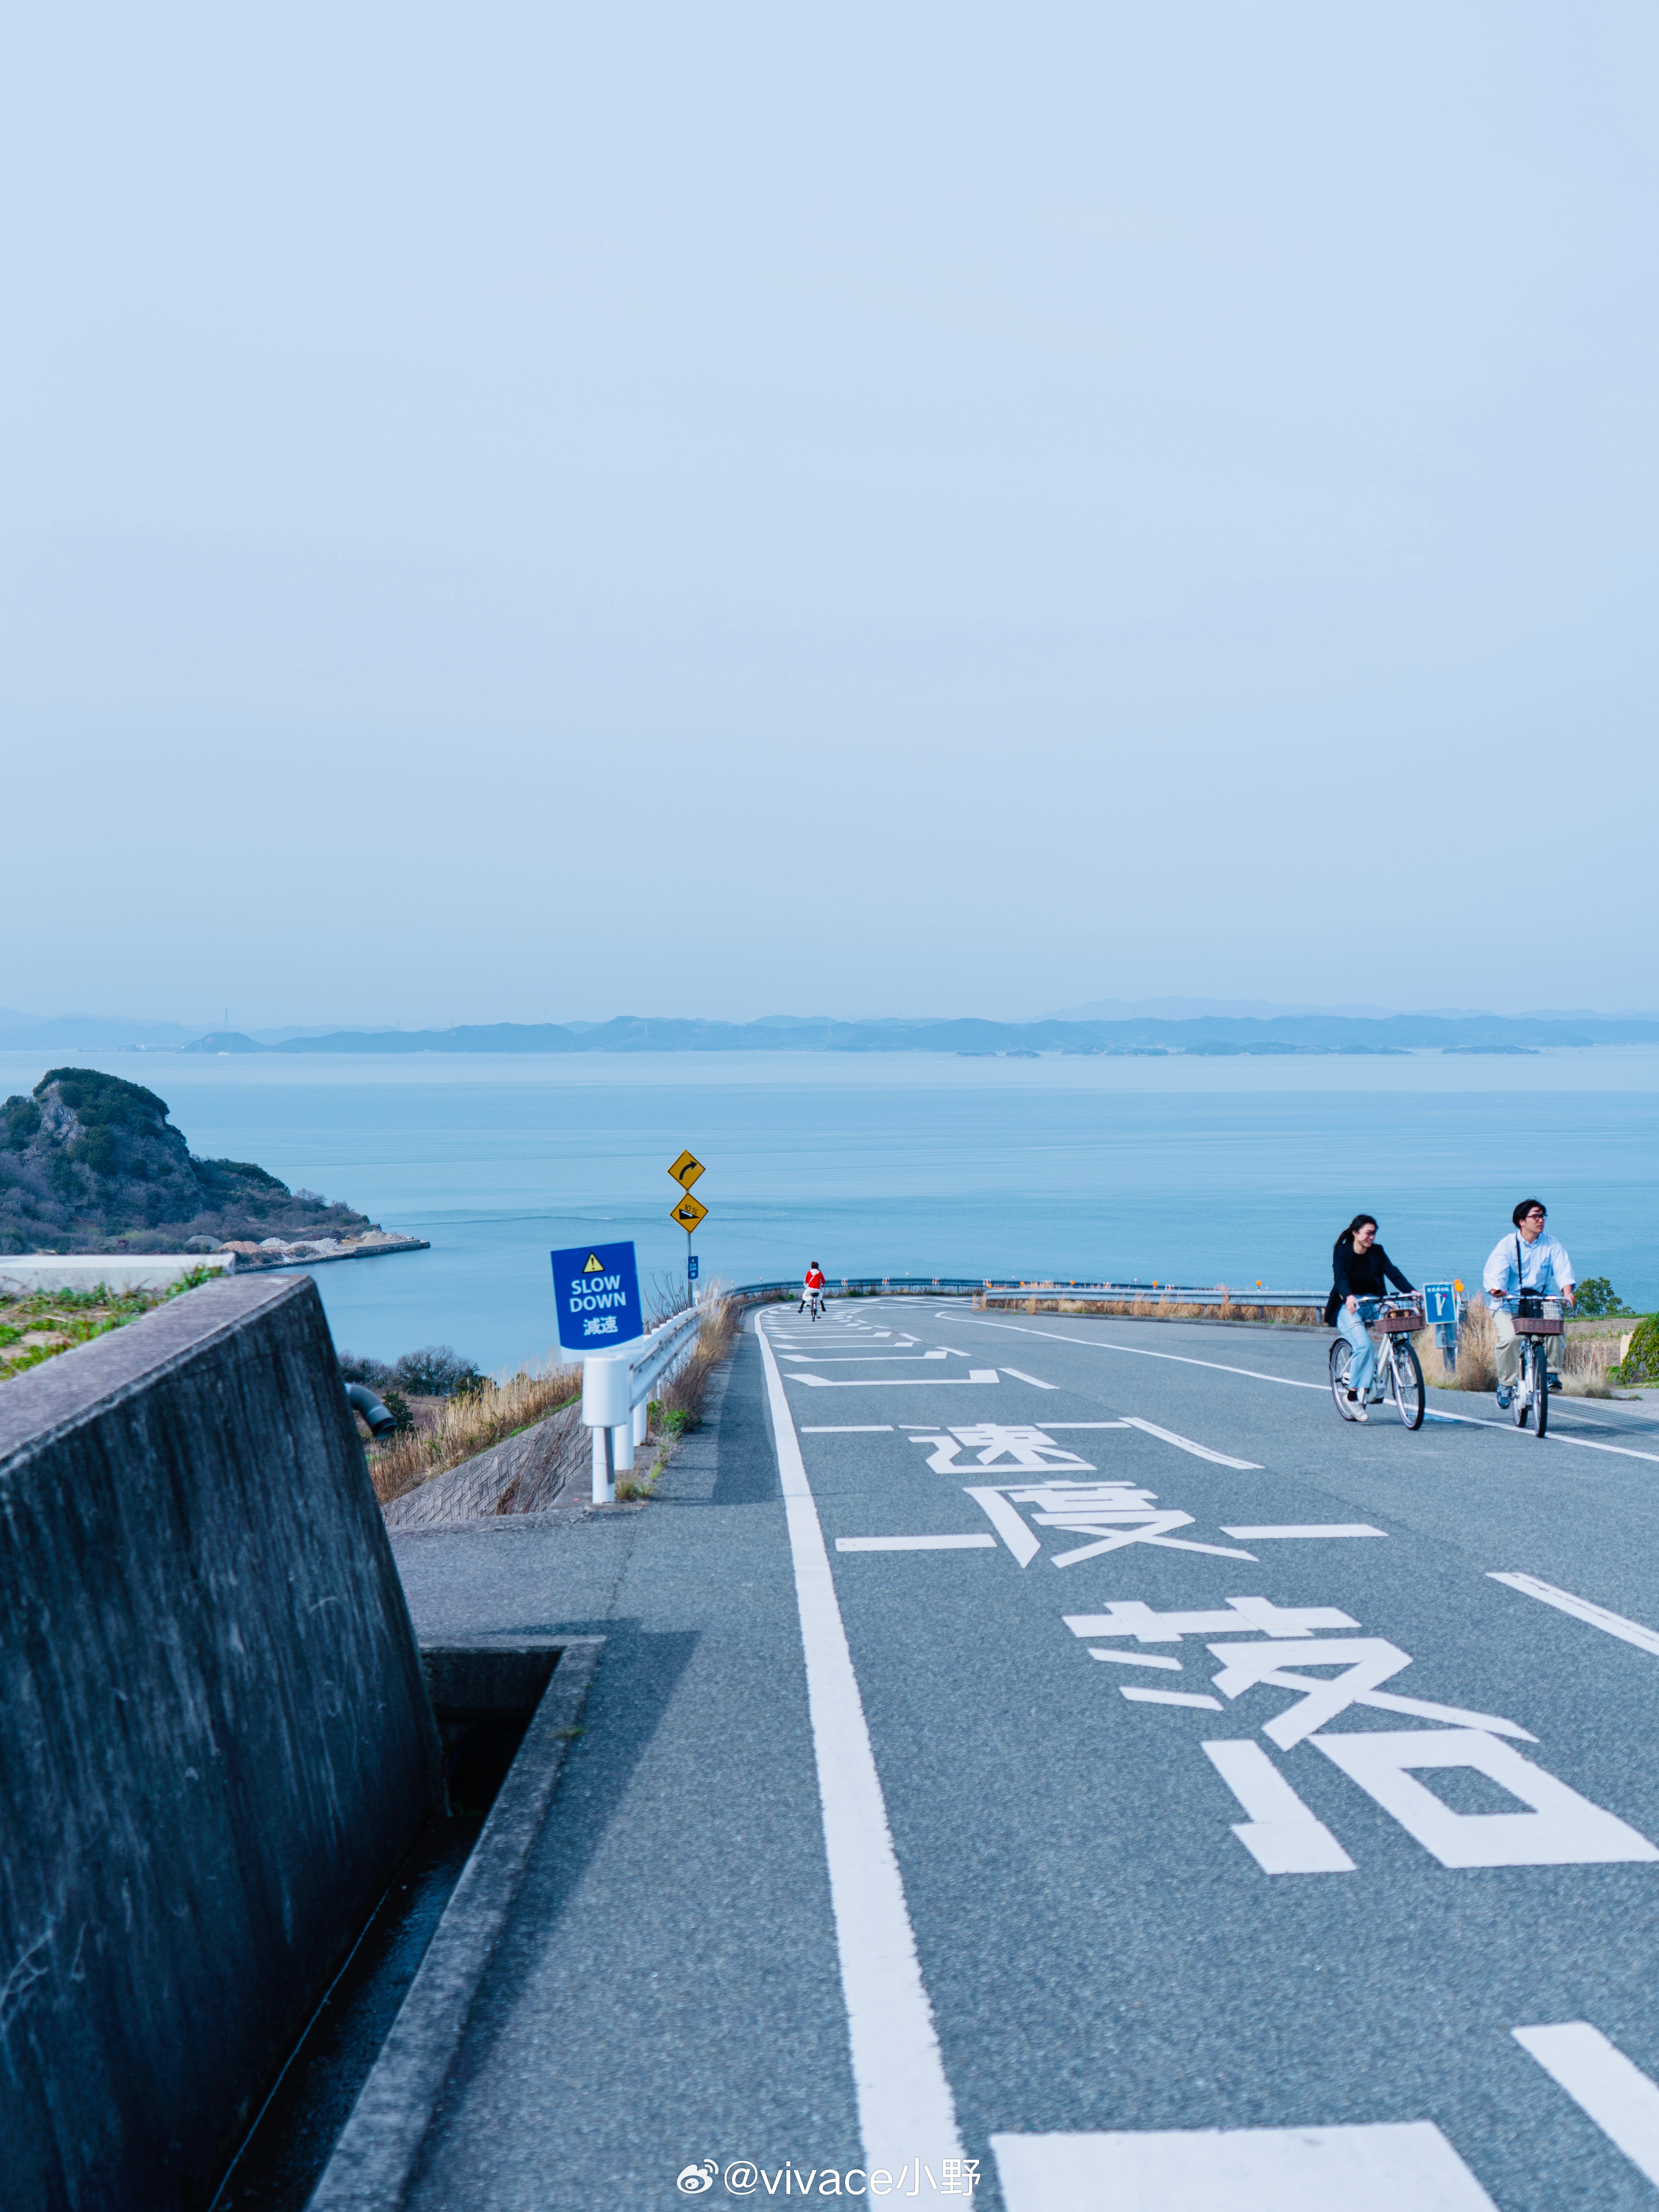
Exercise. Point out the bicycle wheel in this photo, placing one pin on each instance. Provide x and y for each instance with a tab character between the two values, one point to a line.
1523	1385
1341	1353
1541	1371
1406	1374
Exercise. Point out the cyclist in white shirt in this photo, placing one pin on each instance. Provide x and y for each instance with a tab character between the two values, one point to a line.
1527	1261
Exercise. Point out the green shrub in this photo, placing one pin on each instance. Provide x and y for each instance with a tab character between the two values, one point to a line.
1641	1363
398	1406
680	1420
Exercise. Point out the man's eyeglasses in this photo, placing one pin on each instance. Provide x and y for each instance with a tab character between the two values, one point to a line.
1537	1214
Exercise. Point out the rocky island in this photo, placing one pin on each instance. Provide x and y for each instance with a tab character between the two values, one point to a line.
89	1162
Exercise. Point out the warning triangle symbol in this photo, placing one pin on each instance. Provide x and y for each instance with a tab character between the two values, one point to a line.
592	1267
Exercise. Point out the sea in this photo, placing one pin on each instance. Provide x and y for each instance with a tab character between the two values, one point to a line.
1170	1170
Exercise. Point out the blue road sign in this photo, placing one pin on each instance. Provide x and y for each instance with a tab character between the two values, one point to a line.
690	1266
1440	1304
597	1287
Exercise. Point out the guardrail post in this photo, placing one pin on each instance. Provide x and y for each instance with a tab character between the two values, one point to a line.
607	1409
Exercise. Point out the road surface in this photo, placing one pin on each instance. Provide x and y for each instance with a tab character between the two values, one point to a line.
1125	1785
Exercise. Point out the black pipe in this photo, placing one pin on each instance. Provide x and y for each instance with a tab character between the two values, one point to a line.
364	1402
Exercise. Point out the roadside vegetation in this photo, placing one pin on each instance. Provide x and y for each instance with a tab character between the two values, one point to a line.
1590	1366
39	1325
454	1414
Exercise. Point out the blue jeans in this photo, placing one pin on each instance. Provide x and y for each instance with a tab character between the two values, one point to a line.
1362	1368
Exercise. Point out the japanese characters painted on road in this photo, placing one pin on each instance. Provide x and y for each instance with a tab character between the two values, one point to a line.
597	1287
1112	1514
1440	1304
686	1169
1550	1825
689	1213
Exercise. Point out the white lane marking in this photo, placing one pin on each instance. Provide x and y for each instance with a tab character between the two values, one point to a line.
1135	1658
916	1543
862	1359
904	2099
910	1382
1168	1698
1140	1352
1645	1639
1281	1835
1078	1424
1602	2082
854	1429
1551	1436
1185	1444
1313	1528
1380	2166
1293	1383
1558	1827
1009	1524
1037	1384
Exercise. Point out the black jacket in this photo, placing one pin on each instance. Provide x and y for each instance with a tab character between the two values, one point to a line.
1360	1275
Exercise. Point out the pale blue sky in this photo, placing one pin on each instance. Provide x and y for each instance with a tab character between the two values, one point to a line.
502	508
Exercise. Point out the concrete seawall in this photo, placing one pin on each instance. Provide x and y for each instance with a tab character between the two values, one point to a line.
215	1742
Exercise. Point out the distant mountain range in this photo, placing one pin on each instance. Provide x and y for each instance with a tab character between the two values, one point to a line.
1207	1035
1217	1029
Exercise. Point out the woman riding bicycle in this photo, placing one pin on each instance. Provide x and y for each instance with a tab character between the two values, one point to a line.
1361	1272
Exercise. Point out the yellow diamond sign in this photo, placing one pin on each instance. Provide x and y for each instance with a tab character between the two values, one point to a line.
689	1213
686	1169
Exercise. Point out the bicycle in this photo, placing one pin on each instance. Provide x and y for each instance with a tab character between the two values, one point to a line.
1534	1329
813	1303
1397	1365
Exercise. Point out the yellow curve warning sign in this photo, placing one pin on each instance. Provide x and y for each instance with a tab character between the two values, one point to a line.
686	1169
689	1213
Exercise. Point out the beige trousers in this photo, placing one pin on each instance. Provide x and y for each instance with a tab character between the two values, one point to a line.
1509	1349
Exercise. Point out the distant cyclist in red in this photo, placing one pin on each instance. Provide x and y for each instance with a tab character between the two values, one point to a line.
813	1287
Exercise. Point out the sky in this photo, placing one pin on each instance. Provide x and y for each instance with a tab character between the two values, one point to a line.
531	513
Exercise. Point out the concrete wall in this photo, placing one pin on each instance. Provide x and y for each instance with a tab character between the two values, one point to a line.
215	1742
117	1271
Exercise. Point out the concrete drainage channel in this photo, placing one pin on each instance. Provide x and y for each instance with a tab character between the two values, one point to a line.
344	2125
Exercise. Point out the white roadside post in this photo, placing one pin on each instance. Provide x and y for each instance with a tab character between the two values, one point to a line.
607	1387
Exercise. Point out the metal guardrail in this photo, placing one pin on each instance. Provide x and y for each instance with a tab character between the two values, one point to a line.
860	1287
616	1389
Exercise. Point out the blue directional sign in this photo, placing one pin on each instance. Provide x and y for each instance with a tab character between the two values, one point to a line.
690	1266
1440	1304
598	1290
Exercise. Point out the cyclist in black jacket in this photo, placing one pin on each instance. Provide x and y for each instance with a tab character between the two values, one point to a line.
1360	1268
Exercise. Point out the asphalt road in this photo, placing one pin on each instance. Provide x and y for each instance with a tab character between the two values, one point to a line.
935	1817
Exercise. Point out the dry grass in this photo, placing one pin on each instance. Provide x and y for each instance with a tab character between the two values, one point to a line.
1585	1361
469	1425
684	1391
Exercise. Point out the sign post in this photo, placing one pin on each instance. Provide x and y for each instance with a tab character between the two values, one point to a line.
1440	1311
596	1289
689	1211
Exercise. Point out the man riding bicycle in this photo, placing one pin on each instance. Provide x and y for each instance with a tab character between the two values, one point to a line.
812	1287
1526	1264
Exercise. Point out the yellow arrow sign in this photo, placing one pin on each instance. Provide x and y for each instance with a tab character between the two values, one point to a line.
686	1169
689	1213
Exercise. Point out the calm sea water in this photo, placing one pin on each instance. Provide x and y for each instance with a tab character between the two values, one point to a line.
1197	1171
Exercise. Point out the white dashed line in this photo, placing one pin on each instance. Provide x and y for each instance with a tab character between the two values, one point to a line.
1631	1631
1602	2082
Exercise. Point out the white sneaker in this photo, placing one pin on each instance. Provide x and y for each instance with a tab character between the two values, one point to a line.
1357	1408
